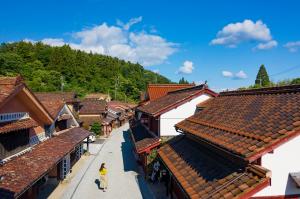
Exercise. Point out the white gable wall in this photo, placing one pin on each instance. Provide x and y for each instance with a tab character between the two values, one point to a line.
284	160
172	117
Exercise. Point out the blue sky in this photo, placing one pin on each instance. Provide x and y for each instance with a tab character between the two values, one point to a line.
223	42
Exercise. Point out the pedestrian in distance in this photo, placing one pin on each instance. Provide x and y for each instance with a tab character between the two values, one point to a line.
103	177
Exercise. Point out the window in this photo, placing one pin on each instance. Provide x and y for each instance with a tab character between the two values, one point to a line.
13	142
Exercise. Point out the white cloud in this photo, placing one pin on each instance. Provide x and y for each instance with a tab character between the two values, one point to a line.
126	26
144	48
235	33
186	68
239	75
102	35
227	73
53	42
266	46
293	46
156	71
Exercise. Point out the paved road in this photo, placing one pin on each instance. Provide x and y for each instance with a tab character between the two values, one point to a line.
123	180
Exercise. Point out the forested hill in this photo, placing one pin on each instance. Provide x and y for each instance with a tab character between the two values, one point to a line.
45	68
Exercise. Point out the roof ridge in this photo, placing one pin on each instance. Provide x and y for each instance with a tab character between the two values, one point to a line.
198	87
266	90
158	85
220	127
16	80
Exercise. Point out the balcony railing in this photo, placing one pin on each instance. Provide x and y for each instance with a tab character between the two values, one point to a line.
7	117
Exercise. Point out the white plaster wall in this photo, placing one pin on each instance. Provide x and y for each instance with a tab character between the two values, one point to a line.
284	160
172	117
67	110
64	110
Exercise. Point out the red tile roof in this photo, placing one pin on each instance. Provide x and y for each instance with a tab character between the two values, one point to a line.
67	97
122	105
9	85
142	138
17	125
90	120
53	105
91	106
204	174
156	91
22	172
97	96
248	123
174	99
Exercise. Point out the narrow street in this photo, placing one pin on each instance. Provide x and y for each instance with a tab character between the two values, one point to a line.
123	179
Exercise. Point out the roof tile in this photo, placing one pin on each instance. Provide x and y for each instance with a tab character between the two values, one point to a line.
156	91
173	99
38	161
246	123
17	125
206	173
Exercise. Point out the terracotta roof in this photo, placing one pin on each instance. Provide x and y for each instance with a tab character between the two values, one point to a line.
123	105
17	125
67	97
8	85
90	106
156	91
205	103
53	105
22	172
204	174
248	123
97	95
173	99
90	120
142	138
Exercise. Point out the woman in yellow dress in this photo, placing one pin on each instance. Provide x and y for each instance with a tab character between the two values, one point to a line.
103	177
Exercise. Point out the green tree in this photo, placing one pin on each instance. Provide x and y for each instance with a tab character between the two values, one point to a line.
295	81
42	67
96	128
262	77
183	81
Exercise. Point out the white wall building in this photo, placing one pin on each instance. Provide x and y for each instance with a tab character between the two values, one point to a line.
282	161
168	119
161	115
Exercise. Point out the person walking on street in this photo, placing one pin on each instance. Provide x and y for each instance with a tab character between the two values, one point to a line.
103	177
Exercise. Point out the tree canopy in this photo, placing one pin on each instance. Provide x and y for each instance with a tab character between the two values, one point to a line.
183	81
47	68
96	128
262	80
262	77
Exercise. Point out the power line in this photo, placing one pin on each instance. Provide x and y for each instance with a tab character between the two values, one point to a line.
285	71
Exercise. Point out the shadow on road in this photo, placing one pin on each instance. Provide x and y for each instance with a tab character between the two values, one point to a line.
97	182
130	164
129	161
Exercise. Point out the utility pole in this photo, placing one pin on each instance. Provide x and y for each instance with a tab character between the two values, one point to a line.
116	84
62	83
